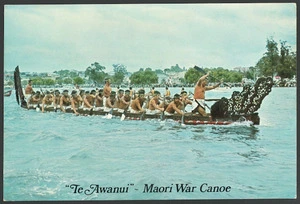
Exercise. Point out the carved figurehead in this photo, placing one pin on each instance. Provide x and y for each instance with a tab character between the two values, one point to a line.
242	103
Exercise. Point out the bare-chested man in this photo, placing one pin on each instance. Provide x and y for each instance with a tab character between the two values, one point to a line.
110	102
123	101
47	100
88	100
28	89
34	100
167	93
56	100
106	89
199	94
137	103
76	101
65	101
174	106
154	105
184	99
99	100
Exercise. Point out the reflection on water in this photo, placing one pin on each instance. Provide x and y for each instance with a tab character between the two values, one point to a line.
248	133
254	155
225	133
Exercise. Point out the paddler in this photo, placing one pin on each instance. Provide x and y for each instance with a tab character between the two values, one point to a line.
199	95
137	103
56	100
123	101
65	101
184	99
34	100
99	100
90	98
119	96
47	100
174	106
110	102
154	105
76	101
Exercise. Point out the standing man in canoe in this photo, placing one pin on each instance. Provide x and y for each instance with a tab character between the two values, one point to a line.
28	89
199	94
106	90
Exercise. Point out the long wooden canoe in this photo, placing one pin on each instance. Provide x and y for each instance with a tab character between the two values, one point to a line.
224	113
188	119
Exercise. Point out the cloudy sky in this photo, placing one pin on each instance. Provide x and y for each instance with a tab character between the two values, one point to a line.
45	38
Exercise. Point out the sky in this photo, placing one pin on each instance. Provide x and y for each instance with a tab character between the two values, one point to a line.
47	38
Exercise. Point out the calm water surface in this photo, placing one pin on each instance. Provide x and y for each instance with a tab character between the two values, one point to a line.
44	153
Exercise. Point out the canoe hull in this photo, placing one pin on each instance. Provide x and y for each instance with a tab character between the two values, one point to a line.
189	119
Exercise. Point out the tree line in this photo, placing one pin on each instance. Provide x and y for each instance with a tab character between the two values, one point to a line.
275	61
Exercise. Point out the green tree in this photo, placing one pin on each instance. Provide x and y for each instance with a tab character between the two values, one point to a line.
216	74
287	65
120	72
251	73
95	73
49	82
78	80
192	76
73	74
68	80
59	80
63	73
283	64
146	77
37	81
268	65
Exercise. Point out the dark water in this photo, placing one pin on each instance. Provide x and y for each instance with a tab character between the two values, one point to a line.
44	153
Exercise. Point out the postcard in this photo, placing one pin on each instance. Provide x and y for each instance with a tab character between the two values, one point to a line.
152	101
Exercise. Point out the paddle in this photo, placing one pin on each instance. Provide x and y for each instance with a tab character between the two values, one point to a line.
42	92
163	112
142	115
38	107
146	104
123	116
111	111
91	111
182	117
201	70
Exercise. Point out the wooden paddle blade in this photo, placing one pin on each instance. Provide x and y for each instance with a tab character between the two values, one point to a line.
122	117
